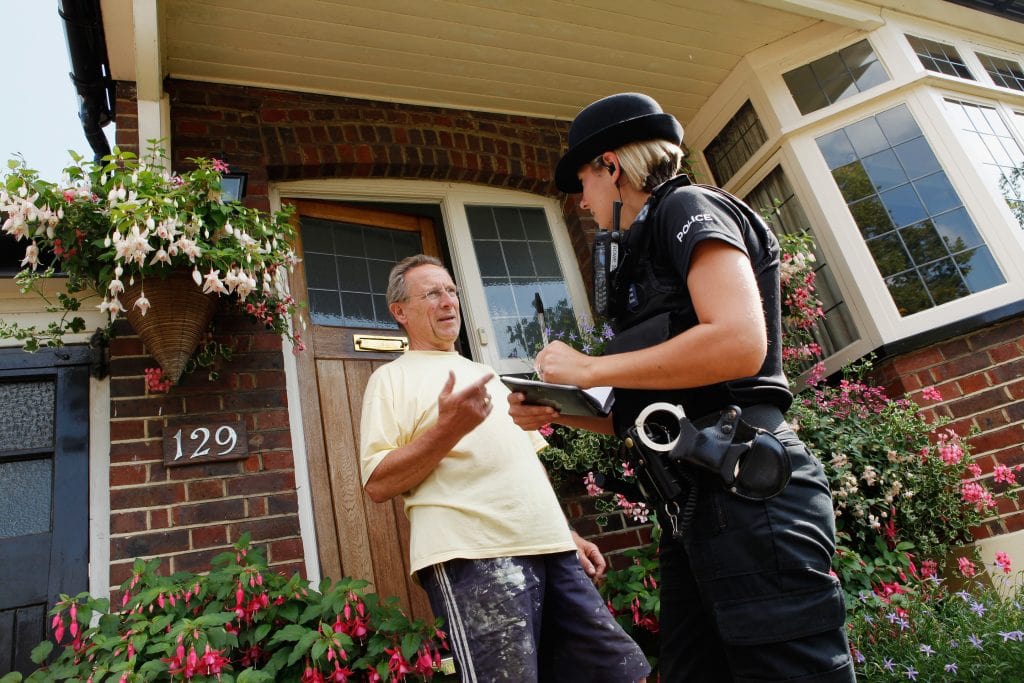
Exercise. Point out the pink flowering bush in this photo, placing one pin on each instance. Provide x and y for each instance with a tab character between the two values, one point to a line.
900	482
123	220
239	622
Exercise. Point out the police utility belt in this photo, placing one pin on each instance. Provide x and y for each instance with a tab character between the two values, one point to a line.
665	448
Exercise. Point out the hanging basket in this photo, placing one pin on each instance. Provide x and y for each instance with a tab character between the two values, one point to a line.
178	317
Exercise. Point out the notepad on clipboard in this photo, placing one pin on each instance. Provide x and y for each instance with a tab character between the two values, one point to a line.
565	398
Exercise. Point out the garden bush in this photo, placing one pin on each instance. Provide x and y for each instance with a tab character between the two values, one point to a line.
238	622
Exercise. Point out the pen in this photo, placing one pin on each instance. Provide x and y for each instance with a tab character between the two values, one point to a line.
538	306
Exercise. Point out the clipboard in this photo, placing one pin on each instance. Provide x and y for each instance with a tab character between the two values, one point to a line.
565	398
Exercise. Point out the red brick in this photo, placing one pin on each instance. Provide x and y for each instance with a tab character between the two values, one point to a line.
197	561
917	360
160	519
127	475
128	522
149	544
959	367
286	503
205	489
209	536
1004	353
256	506
136	451
1007	372
269	482
619	540
145	406
978	402
998	439
290	569
277	460
271	419
1016	390
270	440
124	430
210	511
285	549
267	527
146	496
203	404
1014	522
997	334
972	383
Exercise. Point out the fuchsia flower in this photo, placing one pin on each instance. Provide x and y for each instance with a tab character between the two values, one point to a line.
966	567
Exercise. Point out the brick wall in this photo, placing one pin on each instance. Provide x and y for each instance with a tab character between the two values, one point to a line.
188	514
981	378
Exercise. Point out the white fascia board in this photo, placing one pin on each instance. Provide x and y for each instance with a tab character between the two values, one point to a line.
861	15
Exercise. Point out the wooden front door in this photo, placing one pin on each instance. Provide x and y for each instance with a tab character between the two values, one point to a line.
44	493
346	254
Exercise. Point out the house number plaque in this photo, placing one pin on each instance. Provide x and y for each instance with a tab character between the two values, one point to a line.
196	443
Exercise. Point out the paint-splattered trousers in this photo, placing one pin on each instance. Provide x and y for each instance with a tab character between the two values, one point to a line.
532	618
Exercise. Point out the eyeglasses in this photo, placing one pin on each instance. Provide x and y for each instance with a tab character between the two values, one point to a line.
434	295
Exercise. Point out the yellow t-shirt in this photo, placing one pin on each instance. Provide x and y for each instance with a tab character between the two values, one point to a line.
490	496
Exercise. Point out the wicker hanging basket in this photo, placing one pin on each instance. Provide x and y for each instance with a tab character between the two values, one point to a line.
178	317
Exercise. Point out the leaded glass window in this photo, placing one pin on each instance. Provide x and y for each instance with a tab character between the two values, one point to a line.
836	76
517	260
1003	72
991	144
741	137
939	57
347	268
922	239
774	199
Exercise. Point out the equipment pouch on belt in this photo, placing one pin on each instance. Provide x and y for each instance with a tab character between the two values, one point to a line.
750	462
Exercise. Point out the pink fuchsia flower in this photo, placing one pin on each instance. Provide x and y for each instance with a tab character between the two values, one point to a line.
931	394
220	166
1003	562
546	430
966	567
929	568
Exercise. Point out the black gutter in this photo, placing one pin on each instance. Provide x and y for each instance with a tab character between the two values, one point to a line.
90	69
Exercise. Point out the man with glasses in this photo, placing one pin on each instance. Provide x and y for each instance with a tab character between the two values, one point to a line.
488	541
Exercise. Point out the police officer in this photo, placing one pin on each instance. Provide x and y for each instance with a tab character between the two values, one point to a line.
746	589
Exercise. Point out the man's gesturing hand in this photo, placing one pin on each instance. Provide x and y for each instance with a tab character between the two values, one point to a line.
461	411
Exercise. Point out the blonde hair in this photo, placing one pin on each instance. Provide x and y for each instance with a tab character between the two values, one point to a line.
647	164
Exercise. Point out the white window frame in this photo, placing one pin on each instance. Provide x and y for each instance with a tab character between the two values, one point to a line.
452	198
793	135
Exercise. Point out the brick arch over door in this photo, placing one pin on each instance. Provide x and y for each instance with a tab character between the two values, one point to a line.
276	135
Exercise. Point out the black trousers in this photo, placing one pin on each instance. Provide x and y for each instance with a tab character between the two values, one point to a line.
746	595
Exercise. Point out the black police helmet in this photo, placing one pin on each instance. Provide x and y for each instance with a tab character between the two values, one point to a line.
608	124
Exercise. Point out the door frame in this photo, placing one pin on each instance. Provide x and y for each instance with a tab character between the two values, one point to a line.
326	485
70	531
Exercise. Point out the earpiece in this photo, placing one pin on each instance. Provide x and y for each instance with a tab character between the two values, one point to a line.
609	166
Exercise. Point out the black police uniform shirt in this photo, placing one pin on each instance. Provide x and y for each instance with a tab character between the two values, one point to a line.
649	300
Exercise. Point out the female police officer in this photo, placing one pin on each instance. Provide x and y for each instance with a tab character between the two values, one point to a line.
746	593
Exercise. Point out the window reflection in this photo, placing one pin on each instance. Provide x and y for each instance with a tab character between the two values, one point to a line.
918	231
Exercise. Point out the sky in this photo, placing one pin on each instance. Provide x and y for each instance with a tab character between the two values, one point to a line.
39	106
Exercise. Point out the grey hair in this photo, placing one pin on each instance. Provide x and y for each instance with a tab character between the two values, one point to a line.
396	279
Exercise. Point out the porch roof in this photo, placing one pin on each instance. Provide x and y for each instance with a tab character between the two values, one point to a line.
535	57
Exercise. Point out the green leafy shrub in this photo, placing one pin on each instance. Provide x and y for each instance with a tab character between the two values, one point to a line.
239	622
923	630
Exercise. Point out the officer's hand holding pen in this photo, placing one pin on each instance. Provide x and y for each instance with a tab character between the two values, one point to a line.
559	363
